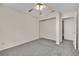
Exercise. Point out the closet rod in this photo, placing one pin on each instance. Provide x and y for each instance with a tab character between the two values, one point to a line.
48	19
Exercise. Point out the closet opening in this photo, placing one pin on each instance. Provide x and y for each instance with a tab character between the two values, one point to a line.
62	30
69	30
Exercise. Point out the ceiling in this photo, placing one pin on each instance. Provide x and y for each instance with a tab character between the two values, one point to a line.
61	7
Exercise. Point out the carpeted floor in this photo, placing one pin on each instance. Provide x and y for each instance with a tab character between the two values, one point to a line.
42	47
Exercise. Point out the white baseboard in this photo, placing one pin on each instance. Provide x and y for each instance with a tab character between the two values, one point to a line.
4	48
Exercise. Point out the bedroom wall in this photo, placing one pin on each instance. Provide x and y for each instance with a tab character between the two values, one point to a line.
16	28
78	28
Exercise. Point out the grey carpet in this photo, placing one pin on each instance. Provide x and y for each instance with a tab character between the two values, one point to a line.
42	47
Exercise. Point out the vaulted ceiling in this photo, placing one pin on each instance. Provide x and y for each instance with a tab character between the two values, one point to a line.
61	7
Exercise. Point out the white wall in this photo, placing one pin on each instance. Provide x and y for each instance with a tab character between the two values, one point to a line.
69	29
58	28
16	28
48	29
78	28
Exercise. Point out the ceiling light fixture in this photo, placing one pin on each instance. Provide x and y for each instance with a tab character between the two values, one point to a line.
40	7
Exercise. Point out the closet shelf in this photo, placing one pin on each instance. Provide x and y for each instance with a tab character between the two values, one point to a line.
48	19
67	17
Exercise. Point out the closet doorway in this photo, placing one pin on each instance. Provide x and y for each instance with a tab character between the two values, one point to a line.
48	29
62	30
69	30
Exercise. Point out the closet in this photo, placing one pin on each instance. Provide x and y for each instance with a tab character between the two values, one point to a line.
48	28
68	28
51	28
60	27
